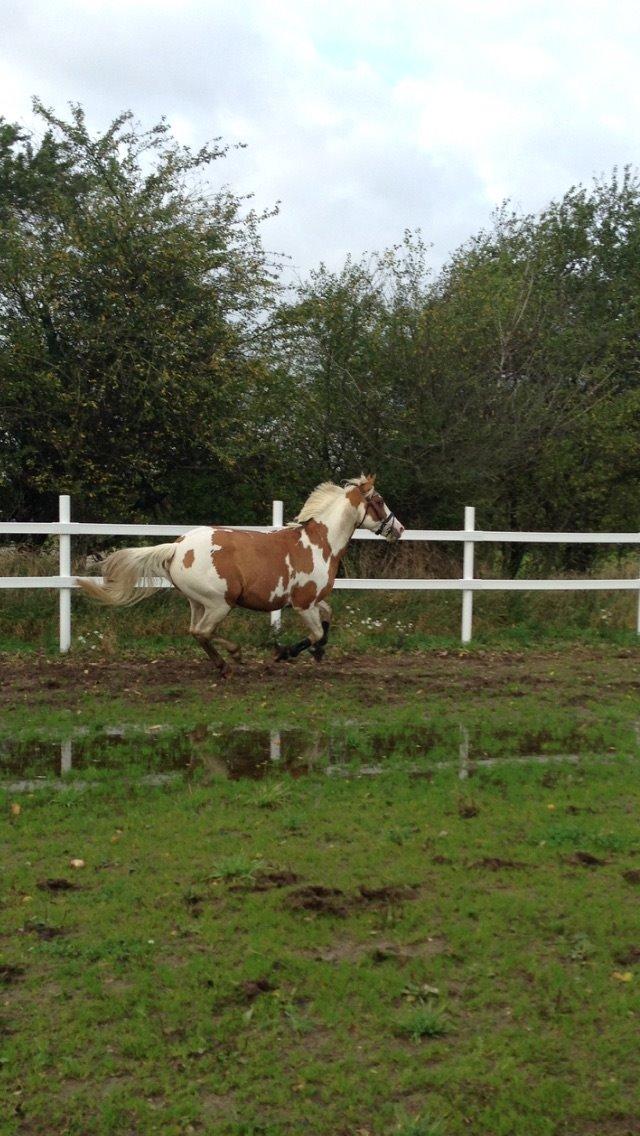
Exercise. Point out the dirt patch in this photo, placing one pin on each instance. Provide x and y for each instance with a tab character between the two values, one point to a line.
614	1125
63	681
394	894
248	991
495	864
632	876
627	956
585	860
57	885
267	881
349	950
10	974
216	1106
323	900
333	901
43	930
245	993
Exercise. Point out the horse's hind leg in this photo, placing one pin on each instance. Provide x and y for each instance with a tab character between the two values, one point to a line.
204	621
234	649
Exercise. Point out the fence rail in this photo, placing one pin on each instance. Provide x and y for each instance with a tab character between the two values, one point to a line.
64	529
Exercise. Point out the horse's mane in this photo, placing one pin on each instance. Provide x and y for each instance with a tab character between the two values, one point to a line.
322	497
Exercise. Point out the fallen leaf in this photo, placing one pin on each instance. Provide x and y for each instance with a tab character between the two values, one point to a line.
76	863
622	975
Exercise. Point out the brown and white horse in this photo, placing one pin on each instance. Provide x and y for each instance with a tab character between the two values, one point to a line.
220	568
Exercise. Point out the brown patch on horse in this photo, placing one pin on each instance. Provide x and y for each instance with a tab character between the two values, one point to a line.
361	492
319	535
375	508
257	568
301	557
254	566
189	558
303	595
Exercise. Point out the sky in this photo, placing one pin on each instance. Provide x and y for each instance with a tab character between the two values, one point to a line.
363	118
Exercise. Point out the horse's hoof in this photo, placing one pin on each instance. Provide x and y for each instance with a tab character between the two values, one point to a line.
318	654
282	654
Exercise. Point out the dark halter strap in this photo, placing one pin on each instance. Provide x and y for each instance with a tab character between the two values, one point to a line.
386	525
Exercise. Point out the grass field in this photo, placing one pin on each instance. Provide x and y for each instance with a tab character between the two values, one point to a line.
422	920
402	953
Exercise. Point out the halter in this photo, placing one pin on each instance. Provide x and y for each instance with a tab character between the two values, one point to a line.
386	526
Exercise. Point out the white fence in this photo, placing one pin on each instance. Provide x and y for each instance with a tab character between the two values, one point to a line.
469	536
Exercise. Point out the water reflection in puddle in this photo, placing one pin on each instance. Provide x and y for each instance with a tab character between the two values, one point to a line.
237	753
158	754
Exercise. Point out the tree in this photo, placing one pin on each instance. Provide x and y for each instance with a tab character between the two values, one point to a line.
509	381
131	302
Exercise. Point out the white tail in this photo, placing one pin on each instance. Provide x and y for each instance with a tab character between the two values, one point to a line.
122	570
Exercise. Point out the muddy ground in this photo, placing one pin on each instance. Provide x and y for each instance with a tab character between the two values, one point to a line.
571	674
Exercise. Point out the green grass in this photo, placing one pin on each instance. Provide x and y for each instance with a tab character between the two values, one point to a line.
405	954
462	970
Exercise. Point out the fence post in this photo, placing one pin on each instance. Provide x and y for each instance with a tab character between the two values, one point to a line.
277	520
64	515
467	574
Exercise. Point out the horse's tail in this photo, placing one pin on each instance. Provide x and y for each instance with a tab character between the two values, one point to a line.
122	570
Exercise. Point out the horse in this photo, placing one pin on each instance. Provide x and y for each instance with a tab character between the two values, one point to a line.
220	568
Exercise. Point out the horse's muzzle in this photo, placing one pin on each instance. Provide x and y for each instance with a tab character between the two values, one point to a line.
396	530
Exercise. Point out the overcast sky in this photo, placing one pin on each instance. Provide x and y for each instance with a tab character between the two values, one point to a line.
362	117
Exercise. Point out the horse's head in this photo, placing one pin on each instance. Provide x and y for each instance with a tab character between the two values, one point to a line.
377	517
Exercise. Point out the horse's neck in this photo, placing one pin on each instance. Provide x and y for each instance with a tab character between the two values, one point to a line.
341	522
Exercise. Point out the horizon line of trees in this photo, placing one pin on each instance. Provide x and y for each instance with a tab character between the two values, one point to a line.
152	363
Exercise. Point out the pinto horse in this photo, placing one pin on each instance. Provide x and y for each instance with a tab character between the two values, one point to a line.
221	568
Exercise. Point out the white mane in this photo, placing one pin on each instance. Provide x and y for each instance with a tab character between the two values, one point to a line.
323	497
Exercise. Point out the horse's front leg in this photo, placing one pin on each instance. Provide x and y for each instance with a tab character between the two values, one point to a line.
325	616
312	619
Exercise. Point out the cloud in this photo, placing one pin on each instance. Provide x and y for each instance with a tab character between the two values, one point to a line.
361	118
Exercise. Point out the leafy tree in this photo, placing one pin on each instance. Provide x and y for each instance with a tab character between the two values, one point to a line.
344	345
131	302
509	381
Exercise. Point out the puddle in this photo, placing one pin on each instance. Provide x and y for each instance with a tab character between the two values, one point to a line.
236	753
157	754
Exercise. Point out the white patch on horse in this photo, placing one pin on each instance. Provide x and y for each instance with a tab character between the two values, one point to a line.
319	574
282	587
